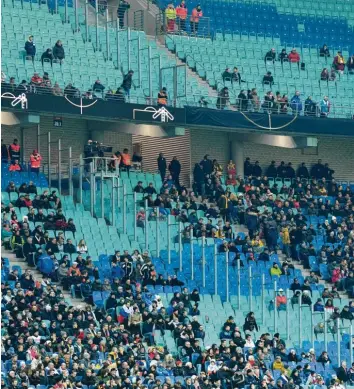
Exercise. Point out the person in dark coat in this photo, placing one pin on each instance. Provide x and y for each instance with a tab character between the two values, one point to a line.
207	165
58	51
290	172
29	251
248	167
324	51
47	56
198	175
317	170
257	170
250	323
30	47
252	222
302	171
128	82
272	170
271	233
162	166
175	169
282	170
342	372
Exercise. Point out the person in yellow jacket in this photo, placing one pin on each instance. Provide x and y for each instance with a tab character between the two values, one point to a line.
171	15
285	237
279	365
275	270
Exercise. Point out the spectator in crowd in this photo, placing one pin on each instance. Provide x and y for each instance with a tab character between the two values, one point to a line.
126	160
339	62
226	75
283	56
223	98
270	56
122	9
9	86
255	99
36	79
242	100
182	12
171	15
350	64
268	79
294	56
58	51
57	91
310	107
175	169
197	13
203	103
268	103
30	47
15	166
162	97
98	87
162	166
35	161
325	106
236	76
295	103
15	150
128	82
71	91
324	51
47	56
324	74
303	172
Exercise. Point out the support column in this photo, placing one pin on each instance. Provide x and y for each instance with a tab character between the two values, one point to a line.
237	153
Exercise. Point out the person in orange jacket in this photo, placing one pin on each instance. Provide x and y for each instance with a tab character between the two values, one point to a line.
294	56
35	161
15	166
196	15
182	12
14	150
126	160
281	300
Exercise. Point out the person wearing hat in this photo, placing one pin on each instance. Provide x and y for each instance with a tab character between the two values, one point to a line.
197	13
171	16
281	300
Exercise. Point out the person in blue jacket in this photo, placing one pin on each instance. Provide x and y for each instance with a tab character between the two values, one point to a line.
295	103
30	47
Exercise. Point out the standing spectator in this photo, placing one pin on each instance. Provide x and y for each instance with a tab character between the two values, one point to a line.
126	160
35	160
181	12
223	98
242	100
30	48
324	51
294	56
302	171
255	99
175	169
325	107
350	64
14	150
58	51
268	79
162	166
283	56
128	82
270	56
4	152
122	9
47	56
171	15
295	103
236	76
197	13
339	62
207	165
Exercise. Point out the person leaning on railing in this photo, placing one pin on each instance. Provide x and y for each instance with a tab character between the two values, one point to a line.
182	12
171	15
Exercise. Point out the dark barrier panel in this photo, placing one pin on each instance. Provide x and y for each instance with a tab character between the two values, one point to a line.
265	122
97	109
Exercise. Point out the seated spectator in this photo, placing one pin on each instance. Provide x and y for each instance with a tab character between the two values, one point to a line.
203	103
350	64
324	51
22	87
81	247
162	97
332	75
71	91
36	79
294	56
15	166
283	56
226	75
310	107
89	95
295	103
98	87
339	62
11	188
284	104
57	91
275	270
8	86
30	48
270	56
58	51
269	99
325	106
223	98
255	99
268	79
47	56
324	74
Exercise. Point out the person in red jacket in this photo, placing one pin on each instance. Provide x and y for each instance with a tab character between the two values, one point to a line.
196	15
35	161
182	12
14	150
15	166
294	56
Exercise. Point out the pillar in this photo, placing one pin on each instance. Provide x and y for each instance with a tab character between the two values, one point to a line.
237	153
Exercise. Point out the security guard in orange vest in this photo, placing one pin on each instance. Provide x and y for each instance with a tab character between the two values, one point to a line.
35	160
126	160
14	151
